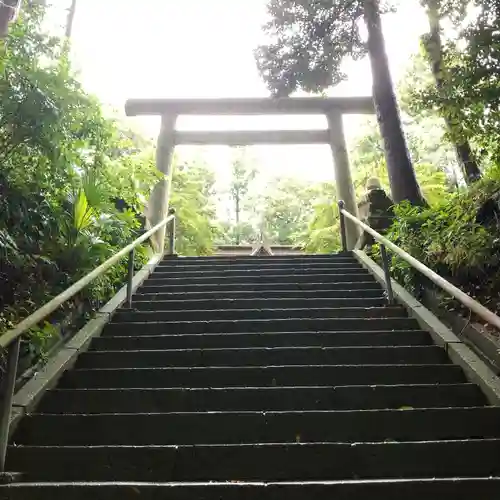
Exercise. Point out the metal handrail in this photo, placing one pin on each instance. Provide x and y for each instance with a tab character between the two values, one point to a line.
483	312
11	339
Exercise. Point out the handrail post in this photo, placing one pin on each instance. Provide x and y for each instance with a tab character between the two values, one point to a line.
130	276
343	233
171	233
387	274
6	394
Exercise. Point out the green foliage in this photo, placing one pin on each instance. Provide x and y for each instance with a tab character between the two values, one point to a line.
192	197
228	233
432	47
242	175
367	159
308	41
242	223
289	206
448	239
40	339
323	232
432	156
452	10
47	121
469	97
284	212
62	163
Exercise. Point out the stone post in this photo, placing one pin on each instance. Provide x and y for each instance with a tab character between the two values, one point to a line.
158	202
343	179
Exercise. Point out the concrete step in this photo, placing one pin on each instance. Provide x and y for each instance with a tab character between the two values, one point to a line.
430	424
120	329
303	356
255	272
214	266
357	397
263	462
274	260
230	375
267	339
225	287
133	316
269	277
256	303
398	489
279	376
375	293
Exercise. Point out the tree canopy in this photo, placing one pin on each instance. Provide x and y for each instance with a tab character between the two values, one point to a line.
439	11
468	96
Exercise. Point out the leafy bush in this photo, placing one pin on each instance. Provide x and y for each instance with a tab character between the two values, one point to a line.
449	239
64	167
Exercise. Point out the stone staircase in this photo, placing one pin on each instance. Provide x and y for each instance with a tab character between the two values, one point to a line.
260	378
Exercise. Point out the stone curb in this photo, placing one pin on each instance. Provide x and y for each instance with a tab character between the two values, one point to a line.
475	369
28	397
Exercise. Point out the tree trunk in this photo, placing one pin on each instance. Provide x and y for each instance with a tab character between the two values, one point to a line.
71	19
8	9
237	227
402	178
467	161
434	50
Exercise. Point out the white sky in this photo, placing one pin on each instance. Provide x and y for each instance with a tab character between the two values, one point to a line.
203	48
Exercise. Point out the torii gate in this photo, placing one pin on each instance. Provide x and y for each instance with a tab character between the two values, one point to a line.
333	108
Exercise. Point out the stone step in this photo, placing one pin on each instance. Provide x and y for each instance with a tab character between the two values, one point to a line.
120	329
375	293
398	489
267	339
255	272
262	462
225	287
145	429
303	356
358	397
269	277
229	375
274	260
255	303
132	316
214	266
280	376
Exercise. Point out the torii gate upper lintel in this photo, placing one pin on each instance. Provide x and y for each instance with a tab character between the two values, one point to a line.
332	107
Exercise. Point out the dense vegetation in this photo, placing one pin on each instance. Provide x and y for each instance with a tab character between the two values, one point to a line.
459	237
73	184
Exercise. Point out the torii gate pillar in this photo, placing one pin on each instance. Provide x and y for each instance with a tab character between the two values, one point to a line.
157	208
343	179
